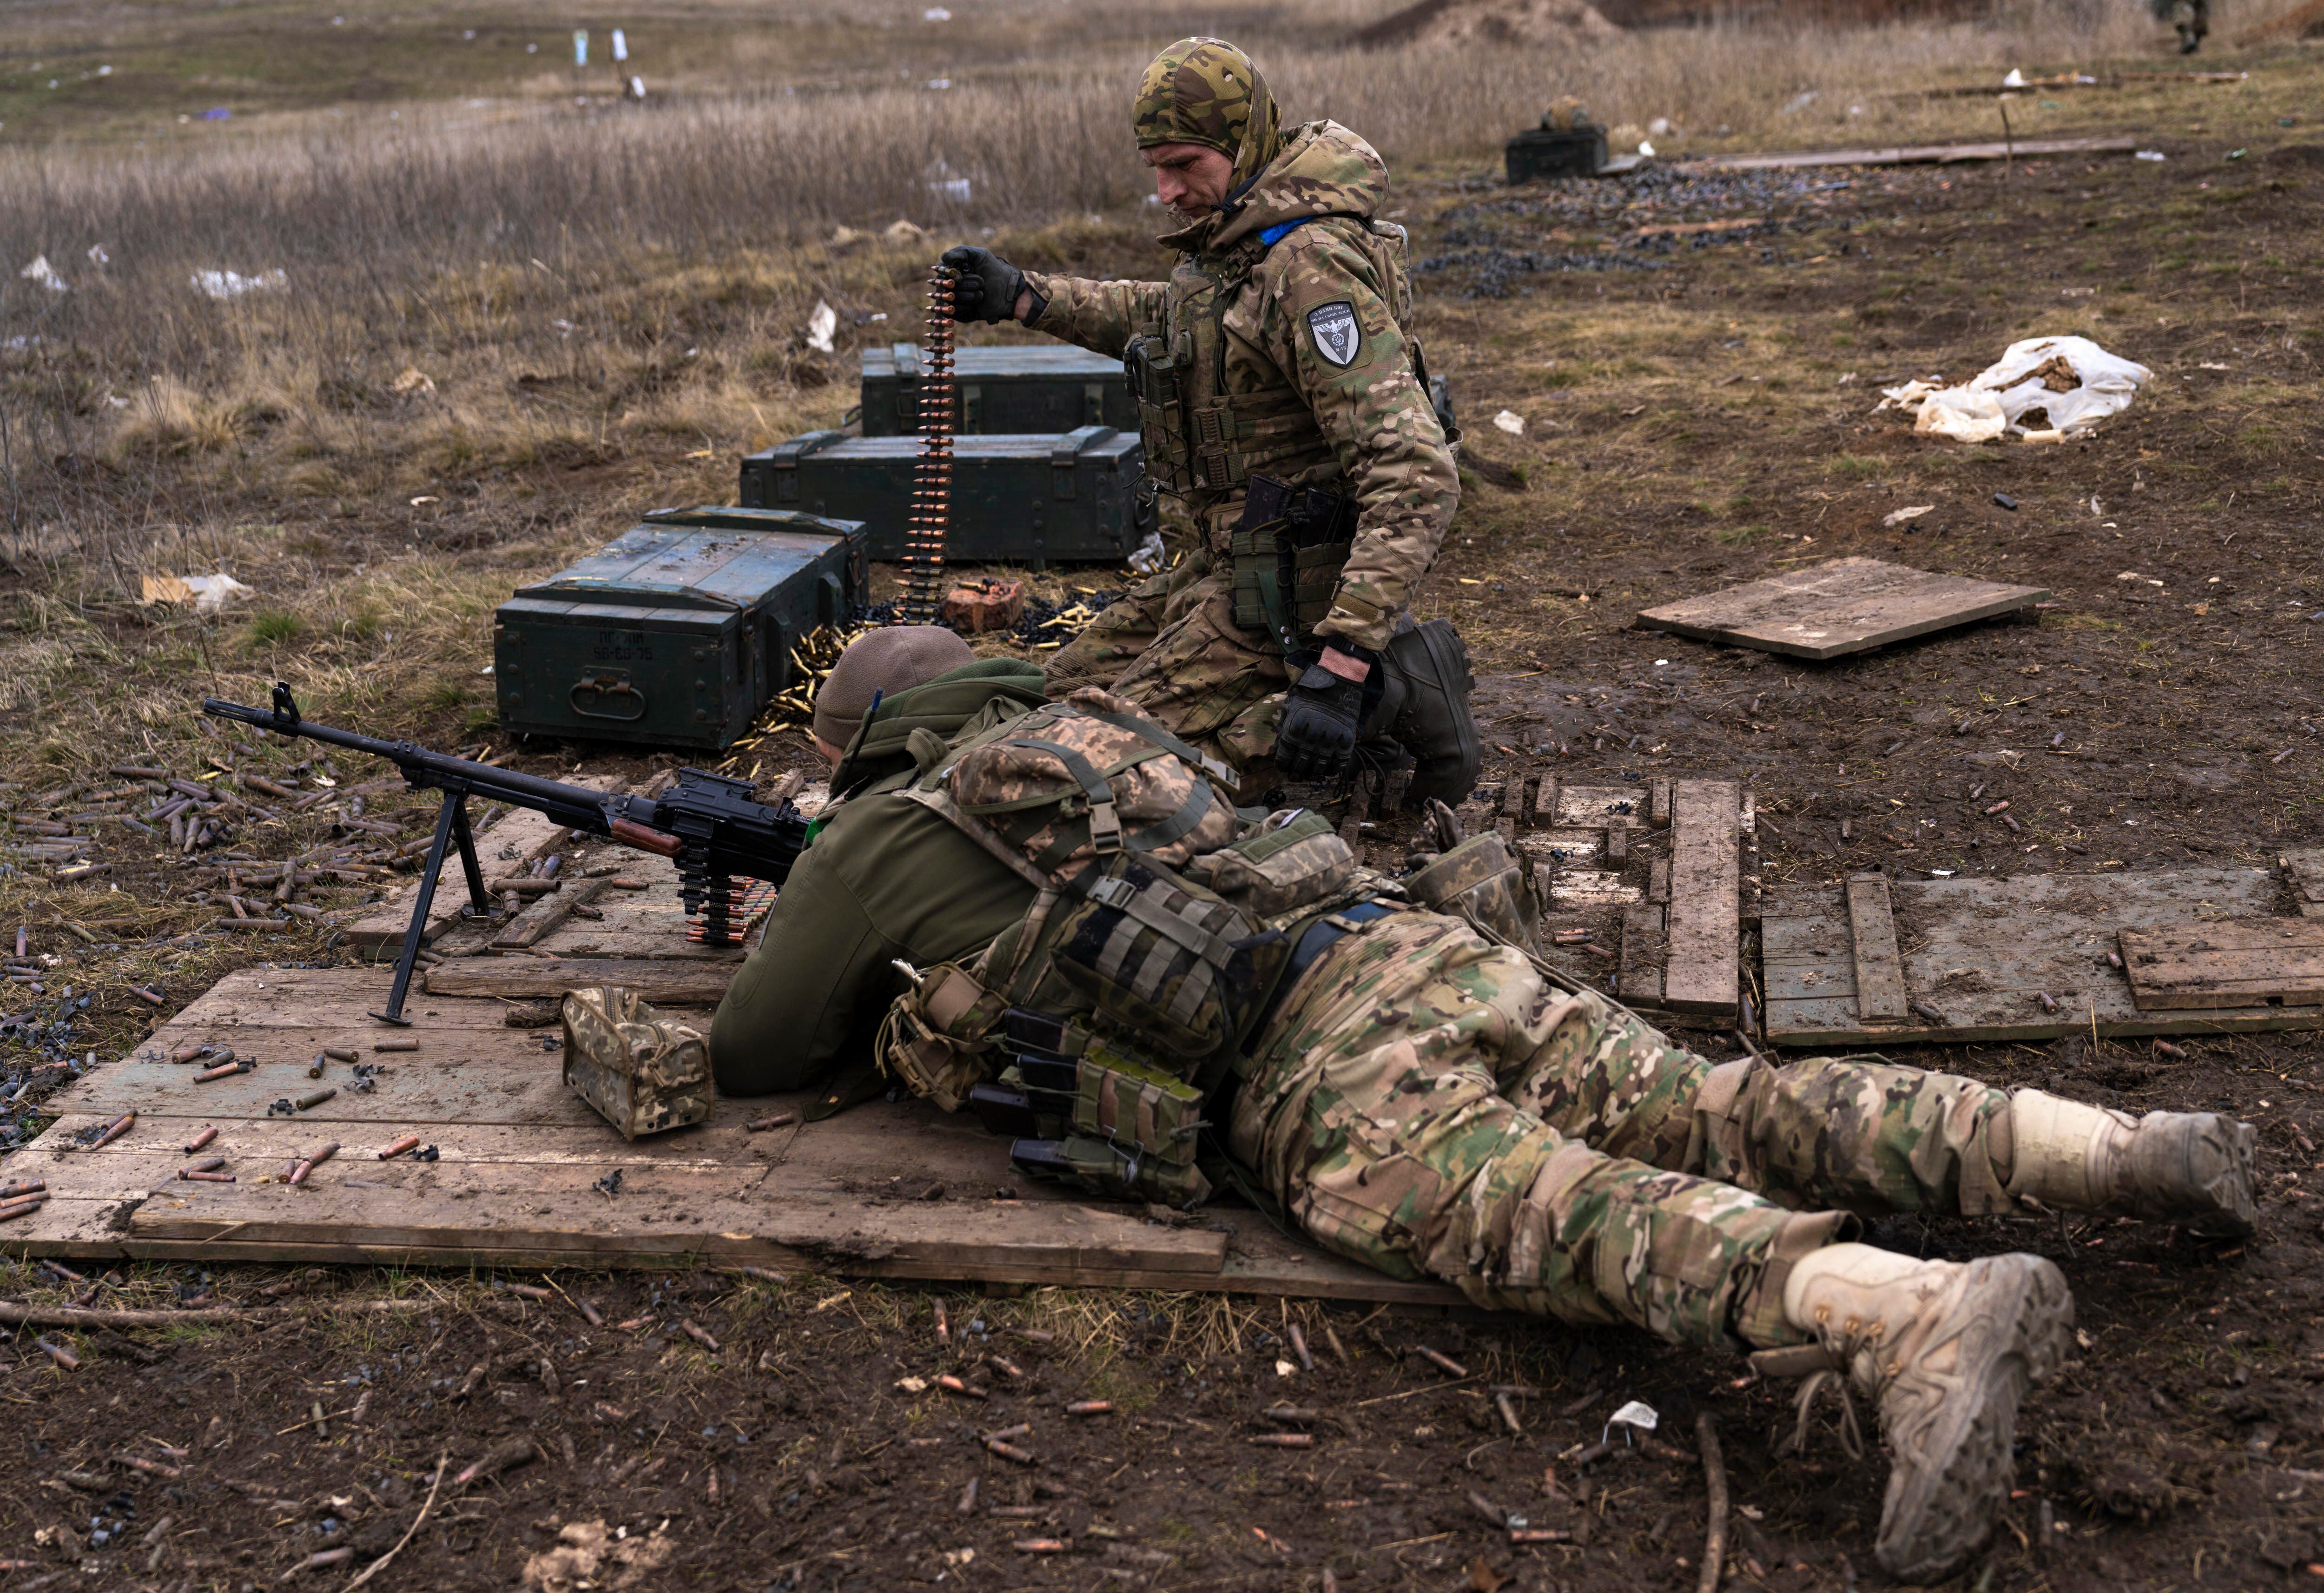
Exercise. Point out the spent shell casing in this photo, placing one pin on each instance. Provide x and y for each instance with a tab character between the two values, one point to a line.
408	1142
58	1353
698	1333
207	1177
315	1068
395	1045
28	1186
207	1165
529	1290
340	1053
149	1468
1041	1546
1010	1451
116	1129
200	1139
952	1385
189	1053
1021	1429
967	1505
772	1120
1290	1415
1089	1407
323	1559
313	1160
1444	1362
309	1103
1299	1347
1284	1440
225	1070
1006	1367
944	1325
1509	1410
24	1208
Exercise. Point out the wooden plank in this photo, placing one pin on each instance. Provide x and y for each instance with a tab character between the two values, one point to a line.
1542	811
1645	950
1926	154
1705	918
1981	953
517	836
1845	605
2304	870
2225	963
1872	933
549	911
519	1156
665	981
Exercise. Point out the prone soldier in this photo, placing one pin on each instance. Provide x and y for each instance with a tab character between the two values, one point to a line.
1178	995
1284	408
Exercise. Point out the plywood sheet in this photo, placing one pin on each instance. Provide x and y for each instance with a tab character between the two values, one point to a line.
2225	963
666	980
1846	605
2304	871
888	1190
1980	954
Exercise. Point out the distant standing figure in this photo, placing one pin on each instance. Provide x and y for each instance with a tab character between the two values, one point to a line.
2192	18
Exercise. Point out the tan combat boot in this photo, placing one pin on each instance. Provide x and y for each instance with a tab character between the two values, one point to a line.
2193	1168
1946	1349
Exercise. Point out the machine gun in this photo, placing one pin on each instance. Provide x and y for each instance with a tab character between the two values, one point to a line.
706	824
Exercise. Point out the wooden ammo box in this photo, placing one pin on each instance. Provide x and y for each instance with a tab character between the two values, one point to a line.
678	633
1059	498
1053	388
1548	152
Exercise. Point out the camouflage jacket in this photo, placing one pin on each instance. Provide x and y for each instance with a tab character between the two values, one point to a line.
1317	359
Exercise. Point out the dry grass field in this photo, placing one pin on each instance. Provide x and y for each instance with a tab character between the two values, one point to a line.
514	311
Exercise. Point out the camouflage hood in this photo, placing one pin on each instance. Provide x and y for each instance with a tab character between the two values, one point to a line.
1324	169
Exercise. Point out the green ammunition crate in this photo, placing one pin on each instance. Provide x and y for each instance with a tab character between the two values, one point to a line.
1049	388
1549	151
1061	498
678	633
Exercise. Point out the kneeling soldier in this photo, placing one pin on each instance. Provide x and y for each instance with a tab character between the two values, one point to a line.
1284	410
1044	910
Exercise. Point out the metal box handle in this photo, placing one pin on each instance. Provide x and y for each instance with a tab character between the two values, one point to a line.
601	688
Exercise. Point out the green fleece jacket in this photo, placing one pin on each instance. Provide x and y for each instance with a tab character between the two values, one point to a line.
884	879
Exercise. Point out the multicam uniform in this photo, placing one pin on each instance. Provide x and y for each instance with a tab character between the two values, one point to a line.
1419	1099
1281	346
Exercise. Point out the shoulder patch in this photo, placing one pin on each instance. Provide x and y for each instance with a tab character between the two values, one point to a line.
1337	336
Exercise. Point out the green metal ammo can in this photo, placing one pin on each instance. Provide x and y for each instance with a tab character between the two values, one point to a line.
679	632
1061	498
1046	388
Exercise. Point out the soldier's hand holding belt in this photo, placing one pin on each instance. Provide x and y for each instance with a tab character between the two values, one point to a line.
988	287
1317	737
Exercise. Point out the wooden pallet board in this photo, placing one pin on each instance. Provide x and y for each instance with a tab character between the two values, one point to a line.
1872	936
670	982
1926	154
2224	962
510	841
1705	917
1980	954
1844	605
2305	871
520	1157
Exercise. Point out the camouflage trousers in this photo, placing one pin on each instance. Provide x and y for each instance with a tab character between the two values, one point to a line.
1424	1102
1116	639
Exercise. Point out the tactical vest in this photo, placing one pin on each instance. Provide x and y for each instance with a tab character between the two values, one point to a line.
1203	443
1162	923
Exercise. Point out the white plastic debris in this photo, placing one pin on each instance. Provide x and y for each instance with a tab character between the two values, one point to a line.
1797	103
2072	381
1149	555
1661	127
2016	80
820	326
1510	421
1902	515
97	256
955	189
208	593
1636	1414
233	285
621	45
2152	155
1646	149
637	88
45	274
936	14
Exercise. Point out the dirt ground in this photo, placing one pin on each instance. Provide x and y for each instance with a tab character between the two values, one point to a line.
1697	404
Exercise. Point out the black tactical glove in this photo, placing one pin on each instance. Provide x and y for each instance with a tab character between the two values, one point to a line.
1316	739
987	287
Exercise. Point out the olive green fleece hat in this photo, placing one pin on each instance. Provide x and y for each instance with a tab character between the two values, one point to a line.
882	662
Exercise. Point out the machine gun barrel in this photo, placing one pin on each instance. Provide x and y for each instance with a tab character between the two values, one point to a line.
708	824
